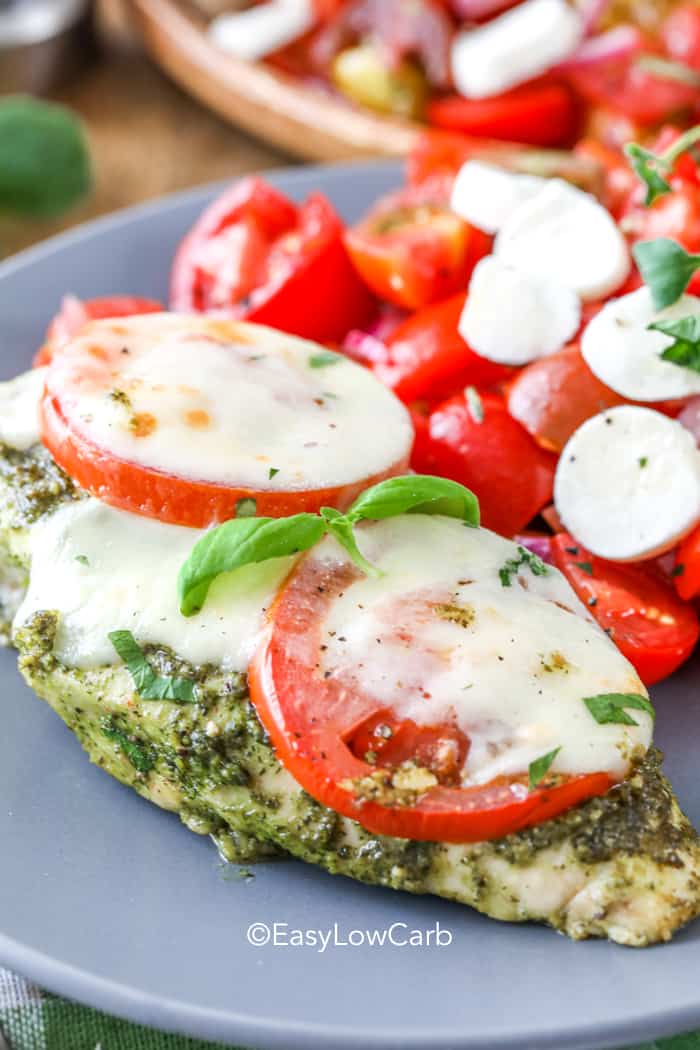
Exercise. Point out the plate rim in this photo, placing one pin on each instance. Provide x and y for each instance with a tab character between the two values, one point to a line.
178	1016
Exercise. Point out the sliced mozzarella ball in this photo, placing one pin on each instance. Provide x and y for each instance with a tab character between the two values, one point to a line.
512	317
19	409
565	234
257	31
229	403
103	569
515	47
628	483
625	355
487	196
438	638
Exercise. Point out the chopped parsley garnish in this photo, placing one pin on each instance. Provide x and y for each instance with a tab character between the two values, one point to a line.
685	349
271	473
513	566
611	708
655	169
584	566
643	461
149	685
678	570
83	559
246	508
538	769
324	359
142	759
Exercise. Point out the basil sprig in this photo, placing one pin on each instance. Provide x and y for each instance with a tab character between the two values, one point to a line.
149	685
244	541
685	349
611	708
667	269
539	769
513	565
654	169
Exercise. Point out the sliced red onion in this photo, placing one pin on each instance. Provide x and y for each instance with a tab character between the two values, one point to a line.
592	12
537	543
387	322
614	46
477	9
690	417
364	348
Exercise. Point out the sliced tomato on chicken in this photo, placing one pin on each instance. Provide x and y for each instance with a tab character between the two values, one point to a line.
473	439
194	420
641	612
355	680
552	397
76	313
538	114
412	250
427	358
254	255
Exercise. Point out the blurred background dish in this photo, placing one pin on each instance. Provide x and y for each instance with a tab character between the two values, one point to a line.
42	42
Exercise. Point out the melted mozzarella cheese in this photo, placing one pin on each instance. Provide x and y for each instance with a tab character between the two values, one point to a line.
628	483
19	409
619	348
514	47
229	403
566	235
487	196
439	636
103	570
513	317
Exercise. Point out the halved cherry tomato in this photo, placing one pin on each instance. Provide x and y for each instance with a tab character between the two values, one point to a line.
477	442
428	359
686	575
437	153
255	255
620	179
640	611
538	114
412	250
76	313
322	730
552	397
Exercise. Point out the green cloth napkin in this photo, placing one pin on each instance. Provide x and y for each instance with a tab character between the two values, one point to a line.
31	1019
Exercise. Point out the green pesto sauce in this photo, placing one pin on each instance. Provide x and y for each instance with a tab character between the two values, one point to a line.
35	484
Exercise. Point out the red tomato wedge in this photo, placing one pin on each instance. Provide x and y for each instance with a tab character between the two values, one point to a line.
427	359
640	611
412	250
539	114
254	255
76	313
194	421
321	729
474	440
552	397
687	570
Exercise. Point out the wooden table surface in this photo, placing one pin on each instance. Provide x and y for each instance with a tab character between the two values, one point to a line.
147	138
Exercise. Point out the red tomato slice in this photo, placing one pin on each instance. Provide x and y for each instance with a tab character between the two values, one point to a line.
412	250
681	35
255	255
322	731
687	571
552	397
76	313
539	114
649	624
489	452
428	359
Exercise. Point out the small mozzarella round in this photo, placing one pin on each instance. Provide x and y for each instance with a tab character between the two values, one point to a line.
621	351
19	409
487	196
257	31
565	234
628	484
515	47
228	403
512	317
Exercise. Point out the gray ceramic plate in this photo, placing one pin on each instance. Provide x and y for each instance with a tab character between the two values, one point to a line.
106	899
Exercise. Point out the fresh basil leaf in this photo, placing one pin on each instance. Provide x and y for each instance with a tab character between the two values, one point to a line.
611	708
666	268
324	358
239	542
513	566
416	494
149	685
538	769
44	159
142	759
342	528
685	350
647	166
